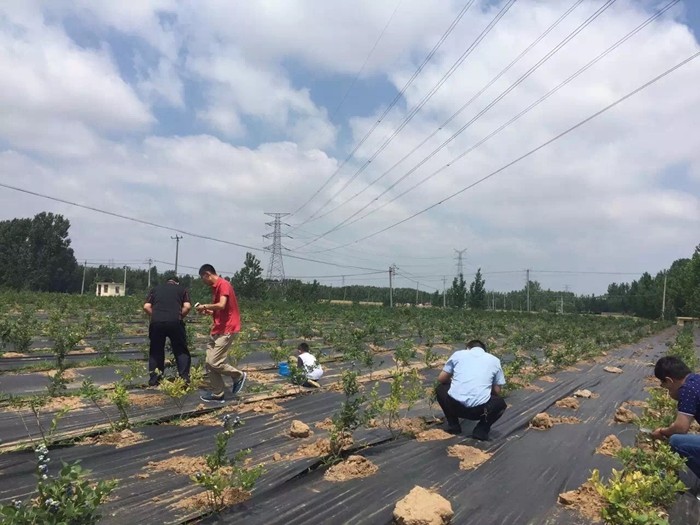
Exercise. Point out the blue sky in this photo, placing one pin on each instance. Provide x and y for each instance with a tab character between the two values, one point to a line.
204	116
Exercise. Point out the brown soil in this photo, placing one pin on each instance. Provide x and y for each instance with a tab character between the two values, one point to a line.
262	377
206	420
543	421
326	424
637	403
411	426
568	402
86	350
469	457
651	380
610	446
146	400
423	507
624	415
435	434
276	456
585	500
299	429
184	465
534	388
321	447
351	468
263	407
586	394
13	354
613	369
548	379
68	375
122	439
232	496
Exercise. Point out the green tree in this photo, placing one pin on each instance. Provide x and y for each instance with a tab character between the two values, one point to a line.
36	254
458	293
248	281
477	292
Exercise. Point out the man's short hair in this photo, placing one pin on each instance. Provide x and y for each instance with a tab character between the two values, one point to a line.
174	279
207	268
671	366
474	343
304	347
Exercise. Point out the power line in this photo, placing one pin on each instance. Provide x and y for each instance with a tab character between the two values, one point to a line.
170	228
454	115
529	153
461	130
398	96
416	109
364	64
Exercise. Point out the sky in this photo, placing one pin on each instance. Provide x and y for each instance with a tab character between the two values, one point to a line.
392	132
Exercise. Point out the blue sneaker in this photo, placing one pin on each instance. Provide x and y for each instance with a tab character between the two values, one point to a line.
211	398
238	385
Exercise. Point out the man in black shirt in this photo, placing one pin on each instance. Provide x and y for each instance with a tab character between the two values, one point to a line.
167	305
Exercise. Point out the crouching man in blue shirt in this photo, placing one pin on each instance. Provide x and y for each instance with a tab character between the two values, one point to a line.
684	387
470	387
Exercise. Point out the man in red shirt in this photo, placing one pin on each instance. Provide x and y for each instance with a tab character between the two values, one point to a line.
227	323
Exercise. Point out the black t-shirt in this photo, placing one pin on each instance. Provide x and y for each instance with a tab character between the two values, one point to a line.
167	300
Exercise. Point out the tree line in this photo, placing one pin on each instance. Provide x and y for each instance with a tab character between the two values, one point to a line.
36	255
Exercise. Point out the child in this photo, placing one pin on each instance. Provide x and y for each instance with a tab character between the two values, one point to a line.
307	363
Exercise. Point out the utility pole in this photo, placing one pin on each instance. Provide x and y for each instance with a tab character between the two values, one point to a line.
392	269
82	286
504	302
150	263
275	272
460	261
663	301
416	293
343	287
527	274
444	292
177	250
124	280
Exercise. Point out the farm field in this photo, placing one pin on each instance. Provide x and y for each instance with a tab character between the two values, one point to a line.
73	376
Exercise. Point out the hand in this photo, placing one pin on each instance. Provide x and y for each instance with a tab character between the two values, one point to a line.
200	309
656	434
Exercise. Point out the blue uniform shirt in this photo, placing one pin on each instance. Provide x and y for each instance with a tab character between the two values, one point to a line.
689	397
473	372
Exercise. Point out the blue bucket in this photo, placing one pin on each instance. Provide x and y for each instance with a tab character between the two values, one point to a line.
284	369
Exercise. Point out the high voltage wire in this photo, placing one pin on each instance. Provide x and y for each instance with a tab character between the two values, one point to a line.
172	229
501	96
416	109
398	96
525	155
364	64
456	114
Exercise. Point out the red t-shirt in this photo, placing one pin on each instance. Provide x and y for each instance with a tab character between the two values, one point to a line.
228	320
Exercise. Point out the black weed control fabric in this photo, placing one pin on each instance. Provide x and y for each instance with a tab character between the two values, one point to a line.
519	484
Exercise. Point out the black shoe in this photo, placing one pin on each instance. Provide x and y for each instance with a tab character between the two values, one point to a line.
238	385
454	429
481	433
154	381
211	398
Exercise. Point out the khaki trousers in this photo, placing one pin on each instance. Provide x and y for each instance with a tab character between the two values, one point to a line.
217	365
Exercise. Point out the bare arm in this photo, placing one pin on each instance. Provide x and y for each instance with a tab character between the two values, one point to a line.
206	308
680	426
186	307
496	390
444	377
148	308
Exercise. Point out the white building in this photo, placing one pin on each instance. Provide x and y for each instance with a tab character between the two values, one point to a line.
110	290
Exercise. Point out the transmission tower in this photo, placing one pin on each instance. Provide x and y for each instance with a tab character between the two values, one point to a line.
275	271
460	261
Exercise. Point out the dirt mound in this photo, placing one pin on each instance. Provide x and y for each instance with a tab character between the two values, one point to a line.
59	403
206	420
548	379
586	394
613	369
351	468
146	400
184	465
542	421
637	403
299	429
423	507
624	415
469	457
411	426
568	402
125	438
264	407
12	354
321	447
610	446
263	378
435	434
326	424
584	499
231	496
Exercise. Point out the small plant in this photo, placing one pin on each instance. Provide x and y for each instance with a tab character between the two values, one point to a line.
35	405
404	353
120	398
108	330
351	414
178	389
93	394
429	356
226	474
278	353
65	337
67	498
660	410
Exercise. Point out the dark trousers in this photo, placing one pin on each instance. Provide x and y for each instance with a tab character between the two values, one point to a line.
486	414
175	331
